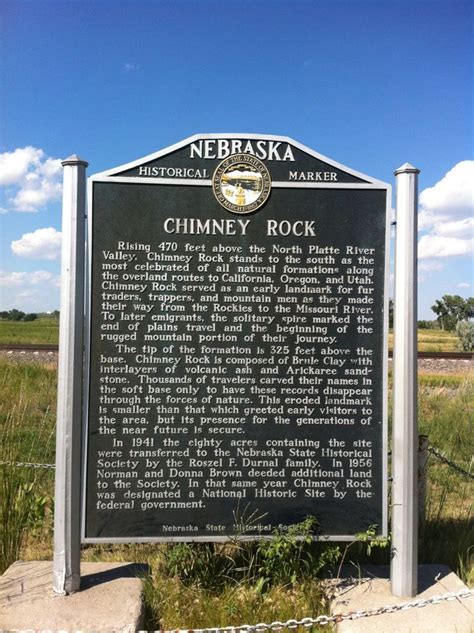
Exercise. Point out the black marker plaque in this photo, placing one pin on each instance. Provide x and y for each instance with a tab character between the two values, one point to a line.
236	345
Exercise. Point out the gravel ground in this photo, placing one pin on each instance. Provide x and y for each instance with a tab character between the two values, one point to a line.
425	365
29	357
445	366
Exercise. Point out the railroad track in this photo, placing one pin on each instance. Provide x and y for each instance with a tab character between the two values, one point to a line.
444	355
54	348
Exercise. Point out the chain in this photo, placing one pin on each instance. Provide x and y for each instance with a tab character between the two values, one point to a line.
322	620
442	458
434	451
27	464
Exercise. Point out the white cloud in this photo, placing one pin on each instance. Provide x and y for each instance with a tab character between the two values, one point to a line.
429	266
11	279
456	228
33	179
27	297
132	68
446	214
453	194
41	244
35	278
426	267
14	165
442	246
36	291
463	284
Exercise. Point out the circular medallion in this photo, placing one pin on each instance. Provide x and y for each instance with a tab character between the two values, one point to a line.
241	183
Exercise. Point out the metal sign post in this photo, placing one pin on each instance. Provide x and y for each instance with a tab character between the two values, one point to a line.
67	542
405	433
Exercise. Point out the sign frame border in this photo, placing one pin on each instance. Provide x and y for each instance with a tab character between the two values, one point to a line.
110	176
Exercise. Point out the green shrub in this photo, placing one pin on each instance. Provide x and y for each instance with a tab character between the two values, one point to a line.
465	332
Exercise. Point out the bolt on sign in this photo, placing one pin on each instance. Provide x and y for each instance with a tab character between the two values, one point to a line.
237	344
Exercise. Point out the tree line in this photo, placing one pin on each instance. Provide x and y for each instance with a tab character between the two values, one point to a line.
19	315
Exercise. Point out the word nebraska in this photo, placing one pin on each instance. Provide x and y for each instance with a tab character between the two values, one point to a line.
221	148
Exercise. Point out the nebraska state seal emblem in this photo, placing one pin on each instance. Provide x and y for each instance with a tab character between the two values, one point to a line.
241	183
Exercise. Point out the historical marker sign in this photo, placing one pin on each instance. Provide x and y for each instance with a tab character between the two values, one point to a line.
237	348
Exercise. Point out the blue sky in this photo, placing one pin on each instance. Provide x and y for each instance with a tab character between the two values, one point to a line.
370	84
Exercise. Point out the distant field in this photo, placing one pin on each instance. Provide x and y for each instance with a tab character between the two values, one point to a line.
46	331
434	341
437	341
32	332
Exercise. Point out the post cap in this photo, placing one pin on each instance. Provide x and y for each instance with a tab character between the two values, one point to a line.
74	160
406	169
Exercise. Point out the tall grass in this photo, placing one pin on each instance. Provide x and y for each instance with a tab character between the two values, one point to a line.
445	415
26	435
172	605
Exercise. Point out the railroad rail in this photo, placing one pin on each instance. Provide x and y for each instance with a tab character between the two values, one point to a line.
54	348
444	355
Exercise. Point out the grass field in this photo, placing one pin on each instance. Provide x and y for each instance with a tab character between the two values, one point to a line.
437	341
434	341
46	330
190	598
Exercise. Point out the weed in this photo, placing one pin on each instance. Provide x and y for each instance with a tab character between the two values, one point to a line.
466	566
370	538
279	559
288	555
205	565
